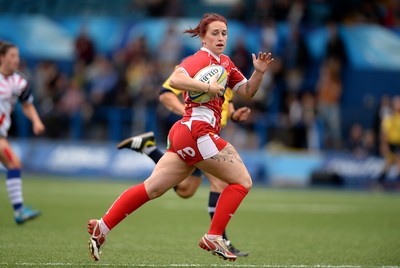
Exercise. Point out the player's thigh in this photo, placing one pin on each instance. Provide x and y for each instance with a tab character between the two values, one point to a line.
227	166
216	185
8	156
169	171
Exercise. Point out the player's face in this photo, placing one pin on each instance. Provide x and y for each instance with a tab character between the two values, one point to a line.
10	61
215	37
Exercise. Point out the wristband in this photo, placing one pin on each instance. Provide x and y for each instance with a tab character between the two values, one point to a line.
232	119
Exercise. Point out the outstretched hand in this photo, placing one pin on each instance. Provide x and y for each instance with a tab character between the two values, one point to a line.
262	62
241	114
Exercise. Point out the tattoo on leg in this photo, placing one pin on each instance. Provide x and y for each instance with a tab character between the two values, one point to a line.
228	154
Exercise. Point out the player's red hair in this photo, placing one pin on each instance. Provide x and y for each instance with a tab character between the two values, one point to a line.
201	28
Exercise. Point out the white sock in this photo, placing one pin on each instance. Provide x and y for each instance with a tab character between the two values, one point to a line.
211	236
103	227
14	190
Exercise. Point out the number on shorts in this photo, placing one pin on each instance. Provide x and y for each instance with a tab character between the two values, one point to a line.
187	151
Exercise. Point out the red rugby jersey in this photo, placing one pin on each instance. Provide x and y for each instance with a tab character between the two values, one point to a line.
209	112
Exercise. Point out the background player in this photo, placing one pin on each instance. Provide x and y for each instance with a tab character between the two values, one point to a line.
14	87
390	141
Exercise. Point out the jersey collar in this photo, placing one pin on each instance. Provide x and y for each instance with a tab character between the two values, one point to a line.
211	53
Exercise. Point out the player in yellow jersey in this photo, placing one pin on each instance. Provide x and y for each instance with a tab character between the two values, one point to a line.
145	143
390	140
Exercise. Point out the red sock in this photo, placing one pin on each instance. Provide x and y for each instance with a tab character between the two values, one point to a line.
127	202
228	202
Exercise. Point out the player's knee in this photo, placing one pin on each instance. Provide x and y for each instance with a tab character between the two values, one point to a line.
14	165
184	192
247	183
184	195
155	194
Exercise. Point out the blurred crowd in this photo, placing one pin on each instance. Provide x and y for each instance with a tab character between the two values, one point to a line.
306	12
298	105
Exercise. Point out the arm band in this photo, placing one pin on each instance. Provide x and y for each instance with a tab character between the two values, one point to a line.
232	119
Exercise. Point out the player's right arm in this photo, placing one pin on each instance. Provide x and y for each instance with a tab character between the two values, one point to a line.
180	79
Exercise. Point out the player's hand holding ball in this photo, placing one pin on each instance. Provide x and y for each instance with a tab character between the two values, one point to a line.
215	88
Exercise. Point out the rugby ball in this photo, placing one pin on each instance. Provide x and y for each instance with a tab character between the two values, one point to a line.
205	75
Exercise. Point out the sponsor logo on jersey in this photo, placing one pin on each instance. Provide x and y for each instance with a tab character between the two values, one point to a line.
225	64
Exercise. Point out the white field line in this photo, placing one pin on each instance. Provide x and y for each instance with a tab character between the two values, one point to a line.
57	264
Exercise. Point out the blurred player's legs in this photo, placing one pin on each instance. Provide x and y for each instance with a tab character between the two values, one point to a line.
25	214
188	187
139	143
233	249
144	143
14	189
11	161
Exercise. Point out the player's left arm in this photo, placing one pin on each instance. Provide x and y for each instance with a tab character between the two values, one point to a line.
169	97
261	64
171	101
30	112
238	115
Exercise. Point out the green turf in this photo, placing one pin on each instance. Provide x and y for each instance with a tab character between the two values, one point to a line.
280	228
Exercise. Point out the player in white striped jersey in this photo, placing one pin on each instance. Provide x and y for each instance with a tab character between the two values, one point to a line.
14	87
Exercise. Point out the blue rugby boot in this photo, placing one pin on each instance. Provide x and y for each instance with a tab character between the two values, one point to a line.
25	214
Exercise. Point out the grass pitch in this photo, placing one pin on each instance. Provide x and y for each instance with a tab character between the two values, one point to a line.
280	228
